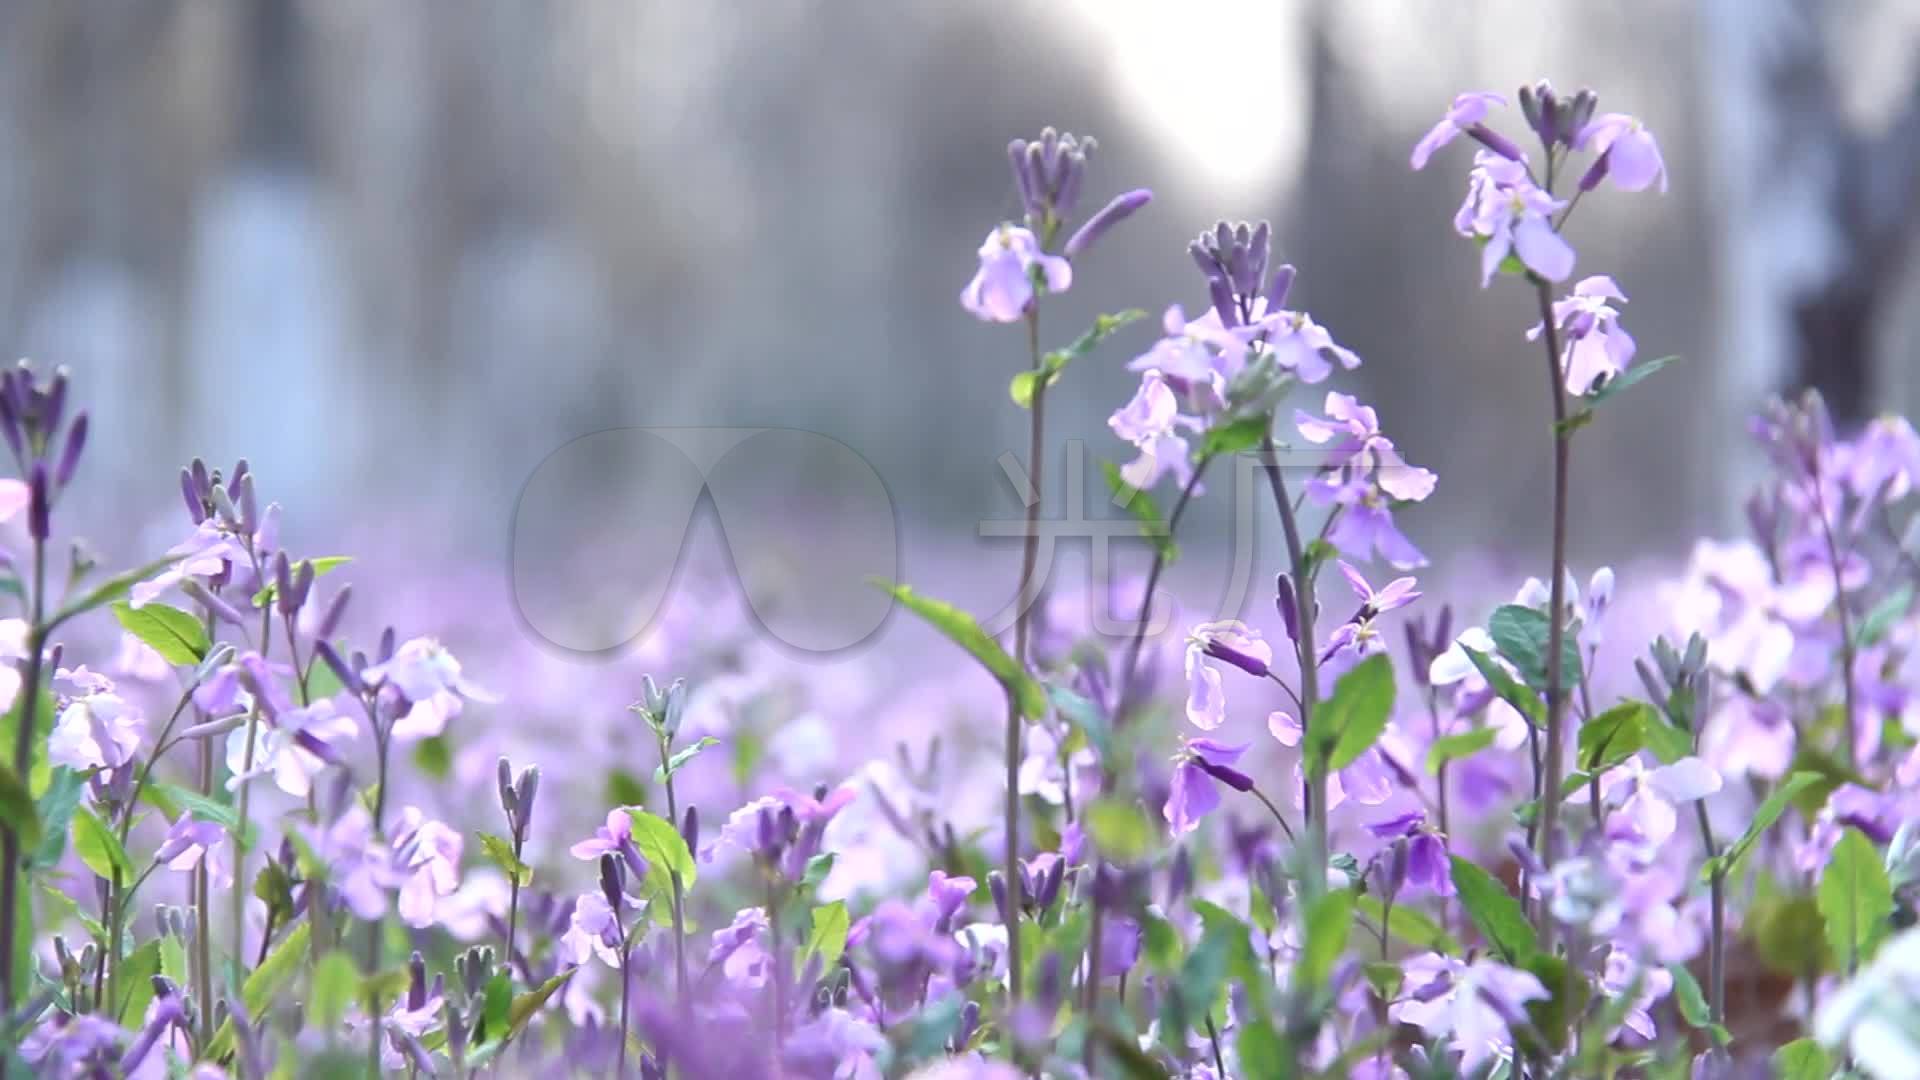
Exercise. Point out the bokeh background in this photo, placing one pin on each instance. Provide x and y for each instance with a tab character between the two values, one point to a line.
397	254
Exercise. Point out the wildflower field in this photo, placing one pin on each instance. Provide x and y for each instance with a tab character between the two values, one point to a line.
264	817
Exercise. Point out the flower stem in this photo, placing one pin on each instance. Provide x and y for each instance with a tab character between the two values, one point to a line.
679	898
1030	554
1090	989
23	737
1717	945
1549	838
1314	864
1153	581
1846	623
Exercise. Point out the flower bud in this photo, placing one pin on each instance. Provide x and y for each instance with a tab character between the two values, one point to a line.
1116	211
1283	601
524	793
690	829
336	608
70	454
39	503
1278	288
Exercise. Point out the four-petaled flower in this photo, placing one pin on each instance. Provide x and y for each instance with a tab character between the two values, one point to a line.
1594	348
1358	633
1463	117
1196	769
1628	153
1002	289
1506	209
1475	1006
1232	642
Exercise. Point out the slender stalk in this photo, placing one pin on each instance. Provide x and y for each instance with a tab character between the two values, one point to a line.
1213	1037
23	736
778	975
374	928
1846	622
1315	862
626	994
1717	945
679	896
1153	581
1274	810
1030	554
202	917
1549	818
1090	988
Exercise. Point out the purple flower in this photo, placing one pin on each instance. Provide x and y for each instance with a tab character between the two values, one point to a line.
1628	152
1506	209
189	841
736	948
1594	347
428	680
1427	867
97	731
608	839
1646	799
1192	794
427	861
1232	642
593	930
1359	633
1002	289
1359	448
294	748
1462	118
1364	527
1473	1005
1620	974
1148	423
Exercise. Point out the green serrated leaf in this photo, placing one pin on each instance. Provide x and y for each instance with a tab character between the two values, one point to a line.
98	847
1522	636
1453	747
336	983
665	851
680	758
828	937
1495	912
500	853
1855	899
961	628
1349	722
1628	378
176	635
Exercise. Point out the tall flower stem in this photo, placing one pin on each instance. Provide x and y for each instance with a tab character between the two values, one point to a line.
1314	863
1549	838
381	742
1029	555
1835	563
1154	571
1717	944
22	765
679	898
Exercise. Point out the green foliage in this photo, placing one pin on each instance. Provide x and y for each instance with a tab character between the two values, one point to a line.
336	983
665	850
1409	924
265	983
1504	685
1348	723
433	756
55	810
1495	912
176	635
1234	437
1028	383
1120	830
1625	730
663	773
1728	861
1855	899
1153	524
323	565
1802	1059
17	809
1328	923
827	938
1453	747
964	631
1522	635
98	847
500	852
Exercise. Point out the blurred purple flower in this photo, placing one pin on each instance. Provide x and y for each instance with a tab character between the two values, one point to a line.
1462	117
1594	347
1232	642
1003	288
1628	150
1193	795
1504	208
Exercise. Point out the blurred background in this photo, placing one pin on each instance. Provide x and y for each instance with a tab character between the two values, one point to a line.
398	254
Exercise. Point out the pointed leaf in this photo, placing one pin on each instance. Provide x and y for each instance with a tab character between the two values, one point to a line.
964	631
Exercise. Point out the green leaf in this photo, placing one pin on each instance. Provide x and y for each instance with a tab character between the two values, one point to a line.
625	789
108	591
519	1014
1883	616
264	985
1234	437
500	853
1688	996
1494	911
1788	934
16	807
664	849
1522	636
65	789
177	636
1628	378
680	758
496	1006
1347	724
1452	747
1409	924
1104	327
98	847
1329	919
827	939
964	631
1022	387
323	565
1625	730
1504	684
203	807
1263	1052
1855	898
1119	829
1153	525
336	983
1802	1059
433	756
136	974
1728	862
1084	717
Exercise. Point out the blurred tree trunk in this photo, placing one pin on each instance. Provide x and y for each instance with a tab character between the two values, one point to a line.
1816	216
